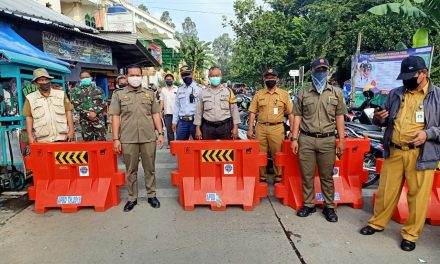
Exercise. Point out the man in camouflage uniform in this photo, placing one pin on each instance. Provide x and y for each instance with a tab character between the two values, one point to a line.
89	102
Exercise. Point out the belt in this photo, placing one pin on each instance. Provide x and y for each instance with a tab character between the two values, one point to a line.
270	124
186	118
217	123
405	148
318	135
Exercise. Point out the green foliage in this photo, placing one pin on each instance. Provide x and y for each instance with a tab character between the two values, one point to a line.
222	51
421	38
165	17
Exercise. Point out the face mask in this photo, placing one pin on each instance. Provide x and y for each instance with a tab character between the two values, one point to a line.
169	82
86	82
270	83
215	81
135	81
187	80
411	84
45	87
122	86
319	80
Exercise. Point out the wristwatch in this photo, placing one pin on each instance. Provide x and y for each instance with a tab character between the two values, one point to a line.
161	133
293	139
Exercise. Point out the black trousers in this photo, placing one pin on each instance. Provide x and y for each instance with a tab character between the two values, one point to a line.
216	131
168	125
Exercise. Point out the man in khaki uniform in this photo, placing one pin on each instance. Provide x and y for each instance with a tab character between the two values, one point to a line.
271	105
411	150
136	113
319	110
217	111
48	111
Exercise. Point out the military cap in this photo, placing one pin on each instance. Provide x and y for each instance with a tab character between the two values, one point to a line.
270	71
321	62
185	70
40	72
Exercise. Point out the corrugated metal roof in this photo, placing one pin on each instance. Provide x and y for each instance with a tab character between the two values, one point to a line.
119	37
31	10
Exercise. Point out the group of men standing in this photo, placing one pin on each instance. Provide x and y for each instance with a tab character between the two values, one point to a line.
411	116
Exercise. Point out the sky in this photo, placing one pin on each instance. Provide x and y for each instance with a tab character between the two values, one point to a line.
207	14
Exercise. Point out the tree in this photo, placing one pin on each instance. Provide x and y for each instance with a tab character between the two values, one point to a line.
165	17
189	31
198	55
144	8
222	51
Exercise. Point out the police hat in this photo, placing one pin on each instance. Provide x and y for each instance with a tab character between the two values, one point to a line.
410	66
321	62
185	70
270	71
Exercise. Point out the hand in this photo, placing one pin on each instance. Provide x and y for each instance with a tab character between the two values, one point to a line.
340	148
91	115
250	134
294	146
234	133
70	136
117	147
160	141
31	140
290	135
380	114
198	133
174	127
419	138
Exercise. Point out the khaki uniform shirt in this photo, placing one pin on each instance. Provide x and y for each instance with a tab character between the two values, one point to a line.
135	108
271	107
216	105
319	111
405	124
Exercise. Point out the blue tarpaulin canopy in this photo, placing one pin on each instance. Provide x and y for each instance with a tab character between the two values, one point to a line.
16	49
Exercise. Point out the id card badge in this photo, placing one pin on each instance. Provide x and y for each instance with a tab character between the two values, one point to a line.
420	117
275	110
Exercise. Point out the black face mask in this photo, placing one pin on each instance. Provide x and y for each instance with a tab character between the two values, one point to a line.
45	87
270	83
122	86
411	84
187	80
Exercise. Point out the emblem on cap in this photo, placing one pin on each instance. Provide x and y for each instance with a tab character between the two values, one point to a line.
184	69
270	71
321	61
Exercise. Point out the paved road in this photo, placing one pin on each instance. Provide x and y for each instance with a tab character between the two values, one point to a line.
271	233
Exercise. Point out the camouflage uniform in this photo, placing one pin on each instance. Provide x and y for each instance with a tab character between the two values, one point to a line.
86	99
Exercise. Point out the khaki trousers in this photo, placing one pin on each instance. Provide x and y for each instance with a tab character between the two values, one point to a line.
399	166
321	152
131	153
270	137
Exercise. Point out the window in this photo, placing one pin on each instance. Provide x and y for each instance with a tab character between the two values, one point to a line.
90	21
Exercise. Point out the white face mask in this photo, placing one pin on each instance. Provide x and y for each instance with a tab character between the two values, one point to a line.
135	81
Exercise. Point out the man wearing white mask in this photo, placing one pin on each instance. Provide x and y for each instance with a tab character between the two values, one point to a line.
136	115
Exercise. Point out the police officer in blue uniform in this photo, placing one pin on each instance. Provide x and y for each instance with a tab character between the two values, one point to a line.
186	104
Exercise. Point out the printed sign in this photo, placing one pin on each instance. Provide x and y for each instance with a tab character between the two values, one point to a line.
69	199
380	70
228	169
320	197
83	171
211	197
218	155
76	49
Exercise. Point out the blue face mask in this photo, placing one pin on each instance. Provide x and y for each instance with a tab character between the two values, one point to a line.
169	82
215	81
319	80
86	82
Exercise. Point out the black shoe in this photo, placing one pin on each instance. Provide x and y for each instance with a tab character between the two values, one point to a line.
368	230
130	205
305	211
330	214
154	202
407	245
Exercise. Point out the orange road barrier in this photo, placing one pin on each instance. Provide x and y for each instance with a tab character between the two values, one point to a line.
73	175
219	173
